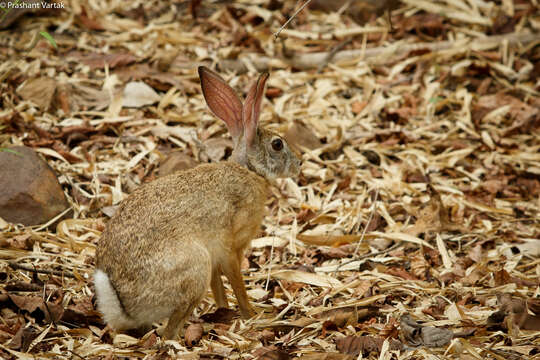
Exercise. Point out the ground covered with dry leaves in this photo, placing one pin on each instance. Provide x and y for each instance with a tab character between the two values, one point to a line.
411	233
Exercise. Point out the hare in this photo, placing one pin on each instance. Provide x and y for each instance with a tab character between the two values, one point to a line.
175	236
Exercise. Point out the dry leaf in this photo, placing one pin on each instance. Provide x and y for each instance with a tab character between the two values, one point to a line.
99	61
343	317
429	336
301	136
216	148
176	161
193	334
330	240
360	10
270	353
354	345
516	312
138	94
23	338
39	90
221	315
307	278
325	356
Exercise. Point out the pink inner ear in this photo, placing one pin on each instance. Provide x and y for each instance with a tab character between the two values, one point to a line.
252	108
222	100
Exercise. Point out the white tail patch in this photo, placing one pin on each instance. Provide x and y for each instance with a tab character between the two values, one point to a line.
109	304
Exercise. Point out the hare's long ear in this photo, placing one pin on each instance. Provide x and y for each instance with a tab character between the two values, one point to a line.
252	109
222	101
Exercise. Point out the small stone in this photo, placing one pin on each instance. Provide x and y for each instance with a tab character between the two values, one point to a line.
30	193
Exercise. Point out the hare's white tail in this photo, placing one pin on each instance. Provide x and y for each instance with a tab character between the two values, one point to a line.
109	304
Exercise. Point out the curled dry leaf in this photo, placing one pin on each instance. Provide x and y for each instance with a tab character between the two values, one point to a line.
51	311
301	136
331	240
23	338
525	314
350	315
433	217
39	90
175	161
98	61
271	353
221	315
138	94
307	278
326	356
418	335
193	334
354	345
215	148
360	10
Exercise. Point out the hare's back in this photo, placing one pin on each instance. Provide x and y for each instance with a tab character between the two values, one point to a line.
200	202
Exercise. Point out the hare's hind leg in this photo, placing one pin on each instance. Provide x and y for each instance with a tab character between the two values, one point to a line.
187	282
177	321
218	290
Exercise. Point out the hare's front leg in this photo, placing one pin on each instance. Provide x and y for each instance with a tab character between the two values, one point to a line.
231	269
218	290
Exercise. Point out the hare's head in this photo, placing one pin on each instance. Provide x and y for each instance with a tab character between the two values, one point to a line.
259	149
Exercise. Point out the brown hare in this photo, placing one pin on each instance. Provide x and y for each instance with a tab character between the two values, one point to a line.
175	236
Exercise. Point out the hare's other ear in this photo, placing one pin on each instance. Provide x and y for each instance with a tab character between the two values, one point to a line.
222	101
252	108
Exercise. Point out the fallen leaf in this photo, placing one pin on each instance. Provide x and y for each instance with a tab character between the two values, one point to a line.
325	356
516	312
360	10
89	21
193	334
358	106
329	240
99	61
433	217
419	335
301	136
23	338
50	311
307	278
354	345
23	241
39	90
176	161
216	148
345	316
270	353
221	315
138	94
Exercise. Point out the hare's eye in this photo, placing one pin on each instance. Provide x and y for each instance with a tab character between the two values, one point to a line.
277	144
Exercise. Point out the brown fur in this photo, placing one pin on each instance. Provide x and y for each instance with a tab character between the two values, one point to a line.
173	237
174	271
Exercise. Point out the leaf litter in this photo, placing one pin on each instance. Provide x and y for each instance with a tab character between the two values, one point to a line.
411	233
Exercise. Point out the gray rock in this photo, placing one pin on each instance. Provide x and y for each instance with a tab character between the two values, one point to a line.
29	190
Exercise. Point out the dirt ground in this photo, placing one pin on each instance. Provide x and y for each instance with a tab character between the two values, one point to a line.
412	231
